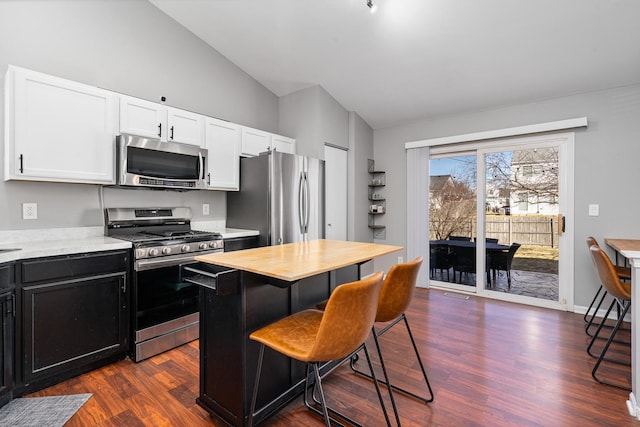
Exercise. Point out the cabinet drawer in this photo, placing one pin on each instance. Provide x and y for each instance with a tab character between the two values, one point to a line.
221	280
94	264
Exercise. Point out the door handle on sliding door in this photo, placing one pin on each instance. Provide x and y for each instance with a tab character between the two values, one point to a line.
561	224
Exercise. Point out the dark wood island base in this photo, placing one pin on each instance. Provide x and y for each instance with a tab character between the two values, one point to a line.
246	290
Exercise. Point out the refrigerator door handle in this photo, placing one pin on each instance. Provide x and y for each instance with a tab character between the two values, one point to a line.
307	202
301	207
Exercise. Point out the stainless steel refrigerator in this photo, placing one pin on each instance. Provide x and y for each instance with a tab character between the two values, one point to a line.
281	195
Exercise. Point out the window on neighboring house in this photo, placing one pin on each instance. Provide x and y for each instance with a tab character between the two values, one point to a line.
523	202
527	170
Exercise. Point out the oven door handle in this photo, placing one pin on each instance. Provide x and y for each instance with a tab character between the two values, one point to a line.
168	261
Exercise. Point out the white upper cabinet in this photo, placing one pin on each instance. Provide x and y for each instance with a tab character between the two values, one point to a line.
153	120
58	130
255	141
143	118
283	144
185	126
222	140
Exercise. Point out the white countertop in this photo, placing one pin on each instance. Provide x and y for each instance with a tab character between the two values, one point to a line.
64	241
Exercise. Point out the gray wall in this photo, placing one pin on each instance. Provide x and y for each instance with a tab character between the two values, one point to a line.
314	118
606	165
360	150
129	47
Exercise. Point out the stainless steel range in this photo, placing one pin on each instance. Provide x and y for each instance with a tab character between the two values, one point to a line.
164	308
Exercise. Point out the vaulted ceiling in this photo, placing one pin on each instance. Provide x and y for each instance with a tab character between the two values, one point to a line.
419	58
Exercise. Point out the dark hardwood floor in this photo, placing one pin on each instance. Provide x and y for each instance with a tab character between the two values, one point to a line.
490	363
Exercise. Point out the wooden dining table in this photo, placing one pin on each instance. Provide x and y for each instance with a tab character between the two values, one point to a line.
630	250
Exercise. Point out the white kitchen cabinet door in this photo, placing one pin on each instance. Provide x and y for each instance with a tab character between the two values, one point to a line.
185	126
58	130
283	144
143	118
254	141
223	146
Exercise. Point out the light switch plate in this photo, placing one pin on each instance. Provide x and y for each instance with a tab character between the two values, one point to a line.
29	211
205	209
594	210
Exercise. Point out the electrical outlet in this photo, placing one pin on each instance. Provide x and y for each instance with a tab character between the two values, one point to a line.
29	211
594	210
400	260
205	209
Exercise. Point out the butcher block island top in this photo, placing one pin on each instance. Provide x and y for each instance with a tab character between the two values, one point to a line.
294	261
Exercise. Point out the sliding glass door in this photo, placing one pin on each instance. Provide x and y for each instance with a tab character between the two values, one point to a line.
506	240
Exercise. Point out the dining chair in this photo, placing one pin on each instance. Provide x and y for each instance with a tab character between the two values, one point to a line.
624	273
313	337
440	259
502	260
621	293
464	261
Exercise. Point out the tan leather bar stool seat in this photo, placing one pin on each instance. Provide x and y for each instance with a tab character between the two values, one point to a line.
623	273
313	336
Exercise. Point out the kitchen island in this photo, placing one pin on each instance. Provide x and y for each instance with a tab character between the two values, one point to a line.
246	290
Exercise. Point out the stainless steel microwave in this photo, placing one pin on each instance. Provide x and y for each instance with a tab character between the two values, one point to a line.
148	162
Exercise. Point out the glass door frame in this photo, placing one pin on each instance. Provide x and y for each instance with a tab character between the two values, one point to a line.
565	142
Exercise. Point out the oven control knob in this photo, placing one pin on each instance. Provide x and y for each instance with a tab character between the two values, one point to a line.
140	253
153	252
166	251
213	245
203	246
185	248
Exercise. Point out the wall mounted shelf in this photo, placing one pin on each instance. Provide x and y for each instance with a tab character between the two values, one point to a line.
378	203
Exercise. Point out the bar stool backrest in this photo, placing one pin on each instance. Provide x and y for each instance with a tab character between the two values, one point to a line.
397	290
347	319
608	275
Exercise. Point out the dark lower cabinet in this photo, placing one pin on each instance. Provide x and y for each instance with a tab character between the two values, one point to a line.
7	313
239	243
73	316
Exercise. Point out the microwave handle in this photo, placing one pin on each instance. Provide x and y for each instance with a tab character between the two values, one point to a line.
201	165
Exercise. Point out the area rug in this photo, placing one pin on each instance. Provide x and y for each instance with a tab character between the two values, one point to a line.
50	411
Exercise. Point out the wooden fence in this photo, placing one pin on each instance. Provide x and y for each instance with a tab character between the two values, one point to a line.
539	230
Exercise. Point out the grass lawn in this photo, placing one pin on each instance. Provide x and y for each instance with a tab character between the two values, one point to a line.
542	259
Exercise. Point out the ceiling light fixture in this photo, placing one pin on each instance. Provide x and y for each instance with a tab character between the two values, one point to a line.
372	7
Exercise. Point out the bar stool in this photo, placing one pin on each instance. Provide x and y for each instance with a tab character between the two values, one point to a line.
312	336
395	297
621	293
624	273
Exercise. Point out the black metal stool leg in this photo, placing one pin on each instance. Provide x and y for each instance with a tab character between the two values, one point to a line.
593	301
339	414
252	410
386	376
606	347
415	348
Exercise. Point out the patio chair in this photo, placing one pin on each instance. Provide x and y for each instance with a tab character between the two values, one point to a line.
501	261
440	259
464	261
